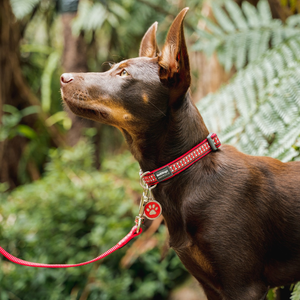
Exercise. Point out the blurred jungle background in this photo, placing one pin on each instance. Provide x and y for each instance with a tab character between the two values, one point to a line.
69	188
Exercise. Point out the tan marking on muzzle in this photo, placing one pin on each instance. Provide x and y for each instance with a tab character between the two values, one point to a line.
120	116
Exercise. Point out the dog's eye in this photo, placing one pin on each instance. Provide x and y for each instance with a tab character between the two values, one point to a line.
124	73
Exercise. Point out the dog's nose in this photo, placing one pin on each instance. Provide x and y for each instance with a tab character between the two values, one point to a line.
66	78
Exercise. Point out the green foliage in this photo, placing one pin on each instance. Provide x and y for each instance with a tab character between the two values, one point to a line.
51	66
259	110
241	35
92	16
21	8
71	215
296	292
37	147
11	126
41	70
60	116
271	294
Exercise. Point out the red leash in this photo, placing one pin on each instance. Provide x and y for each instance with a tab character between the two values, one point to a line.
133	233
148	206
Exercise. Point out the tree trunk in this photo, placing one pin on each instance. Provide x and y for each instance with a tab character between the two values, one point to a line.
12	92
210	73
74	60
15	91
283	293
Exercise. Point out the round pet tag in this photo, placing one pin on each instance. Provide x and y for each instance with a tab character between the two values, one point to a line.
152	210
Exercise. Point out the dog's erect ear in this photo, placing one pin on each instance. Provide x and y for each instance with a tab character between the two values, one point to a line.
174	59
149	46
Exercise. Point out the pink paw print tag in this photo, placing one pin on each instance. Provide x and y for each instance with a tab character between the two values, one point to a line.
152	210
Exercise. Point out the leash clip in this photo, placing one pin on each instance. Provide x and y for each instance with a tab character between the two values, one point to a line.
144	200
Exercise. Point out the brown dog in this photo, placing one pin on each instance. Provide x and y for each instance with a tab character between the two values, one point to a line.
233	219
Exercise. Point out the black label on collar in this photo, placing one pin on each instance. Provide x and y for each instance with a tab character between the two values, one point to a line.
163	173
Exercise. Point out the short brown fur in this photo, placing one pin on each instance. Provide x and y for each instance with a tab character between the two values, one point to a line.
233	219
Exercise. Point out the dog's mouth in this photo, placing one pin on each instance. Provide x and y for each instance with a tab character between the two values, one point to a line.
100	107
82	108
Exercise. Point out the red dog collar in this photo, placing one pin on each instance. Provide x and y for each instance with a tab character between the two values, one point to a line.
211	143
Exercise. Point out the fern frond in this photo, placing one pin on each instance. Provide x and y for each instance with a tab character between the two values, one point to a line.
261	105
236	15
251	14
293	20
243	34
241	54
225	22
264	12
21	8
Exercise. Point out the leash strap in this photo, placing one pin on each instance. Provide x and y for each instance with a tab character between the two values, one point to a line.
132	234
211	143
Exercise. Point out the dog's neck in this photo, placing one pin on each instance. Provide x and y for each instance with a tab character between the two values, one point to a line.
176	133
180	130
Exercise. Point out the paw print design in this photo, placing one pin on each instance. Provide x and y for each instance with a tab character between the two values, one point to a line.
152	210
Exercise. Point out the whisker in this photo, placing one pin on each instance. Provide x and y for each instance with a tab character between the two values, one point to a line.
157	108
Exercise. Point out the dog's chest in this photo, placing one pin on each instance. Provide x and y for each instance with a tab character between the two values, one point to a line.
194	260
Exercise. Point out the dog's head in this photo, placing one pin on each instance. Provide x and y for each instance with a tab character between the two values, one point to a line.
135	93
